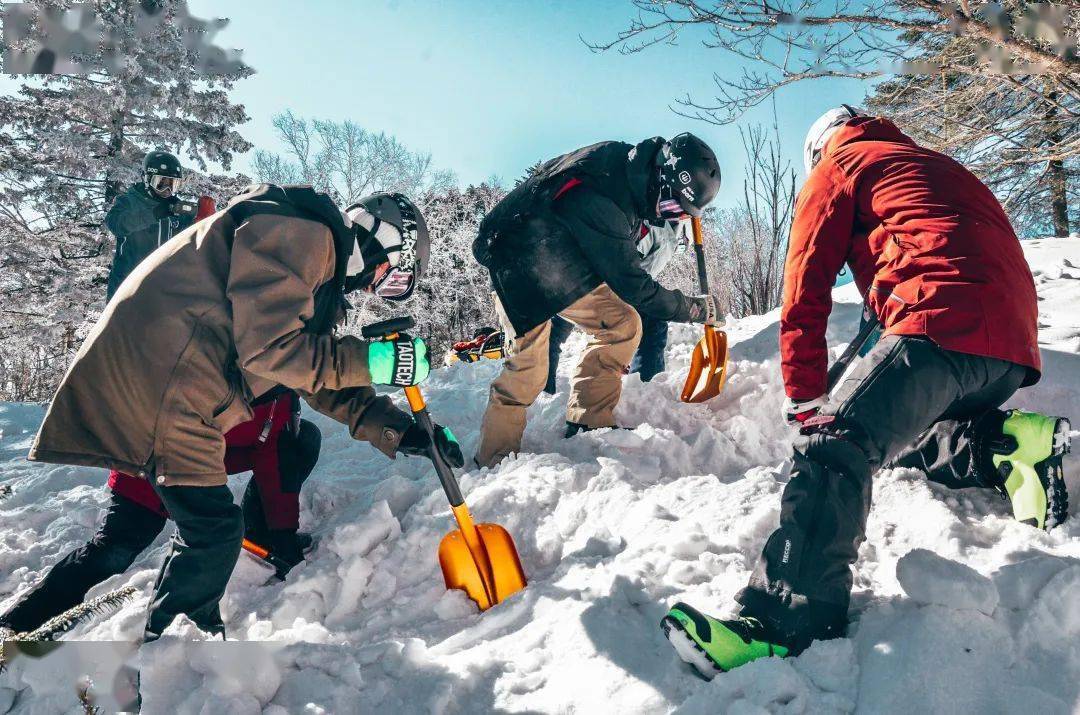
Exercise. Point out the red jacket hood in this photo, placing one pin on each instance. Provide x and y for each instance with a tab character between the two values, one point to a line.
865	129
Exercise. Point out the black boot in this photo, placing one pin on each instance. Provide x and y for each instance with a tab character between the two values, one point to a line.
288	545
254	516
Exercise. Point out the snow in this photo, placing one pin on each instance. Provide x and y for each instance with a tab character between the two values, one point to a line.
956	606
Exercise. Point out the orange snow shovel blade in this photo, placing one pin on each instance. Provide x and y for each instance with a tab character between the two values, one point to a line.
708	367
708	364
479	559
485	583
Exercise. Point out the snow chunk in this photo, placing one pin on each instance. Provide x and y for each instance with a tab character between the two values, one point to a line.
454	604
931	579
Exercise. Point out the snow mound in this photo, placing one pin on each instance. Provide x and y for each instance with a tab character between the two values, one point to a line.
931	579
956	606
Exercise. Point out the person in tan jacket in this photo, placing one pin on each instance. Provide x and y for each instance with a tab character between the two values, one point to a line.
223	316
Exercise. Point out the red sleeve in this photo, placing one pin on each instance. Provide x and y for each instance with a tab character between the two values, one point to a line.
821	235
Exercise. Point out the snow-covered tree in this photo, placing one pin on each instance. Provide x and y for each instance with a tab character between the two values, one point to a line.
347	161
1017	132
69	144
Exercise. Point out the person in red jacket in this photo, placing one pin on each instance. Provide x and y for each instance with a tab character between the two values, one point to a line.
280	450
939	265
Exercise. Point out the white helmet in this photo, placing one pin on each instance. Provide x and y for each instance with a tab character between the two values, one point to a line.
821	130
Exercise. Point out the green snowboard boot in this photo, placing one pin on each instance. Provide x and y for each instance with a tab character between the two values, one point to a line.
713	646
1028	458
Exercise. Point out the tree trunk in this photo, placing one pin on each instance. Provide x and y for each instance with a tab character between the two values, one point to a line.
1056	178
114	187
1059	204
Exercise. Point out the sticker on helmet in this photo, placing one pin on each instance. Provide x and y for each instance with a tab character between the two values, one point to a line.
688	193
684	176
672	161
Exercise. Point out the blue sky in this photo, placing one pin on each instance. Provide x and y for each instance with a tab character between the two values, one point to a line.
487	88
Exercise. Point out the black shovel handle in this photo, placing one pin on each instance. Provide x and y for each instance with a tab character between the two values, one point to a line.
870	325
387	329
699	251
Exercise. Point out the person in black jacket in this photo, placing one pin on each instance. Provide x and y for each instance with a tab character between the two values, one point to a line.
658	244
564	242
147	215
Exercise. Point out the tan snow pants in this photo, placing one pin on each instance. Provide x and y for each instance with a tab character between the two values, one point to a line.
614	330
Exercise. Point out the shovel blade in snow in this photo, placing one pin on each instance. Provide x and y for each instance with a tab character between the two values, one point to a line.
461	567
708	367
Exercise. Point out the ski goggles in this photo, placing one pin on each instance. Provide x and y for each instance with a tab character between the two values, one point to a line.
672	210
392	282
165	184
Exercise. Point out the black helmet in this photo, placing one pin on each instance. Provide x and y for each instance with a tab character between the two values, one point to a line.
162	173
689	174
407	250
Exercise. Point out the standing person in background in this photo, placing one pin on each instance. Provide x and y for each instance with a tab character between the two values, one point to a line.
147	215
659	242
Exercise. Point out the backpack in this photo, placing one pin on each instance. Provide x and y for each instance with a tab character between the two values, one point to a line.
594	165
315	206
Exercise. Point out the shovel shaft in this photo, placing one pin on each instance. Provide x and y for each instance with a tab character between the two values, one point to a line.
446	474
453	492
263	553
870	325
699	252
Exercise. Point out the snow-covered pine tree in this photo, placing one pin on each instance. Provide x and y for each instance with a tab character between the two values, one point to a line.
1018	132
69	144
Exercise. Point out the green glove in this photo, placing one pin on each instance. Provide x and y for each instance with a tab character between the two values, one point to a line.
402	361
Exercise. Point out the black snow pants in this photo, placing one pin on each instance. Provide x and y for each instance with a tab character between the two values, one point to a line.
907	403
209	529
128	529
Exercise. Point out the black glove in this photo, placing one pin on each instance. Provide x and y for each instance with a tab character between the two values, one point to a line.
705	309
415	443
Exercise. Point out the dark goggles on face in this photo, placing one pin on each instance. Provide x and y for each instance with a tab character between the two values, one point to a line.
165	184
671	210
395	284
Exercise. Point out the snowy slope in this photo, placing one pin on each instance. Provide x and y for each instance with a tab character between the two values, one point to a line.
957	607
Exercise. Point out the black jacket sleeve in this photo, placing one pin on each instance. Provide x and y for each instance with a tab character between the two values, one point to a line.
139	228
122	220
604	234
